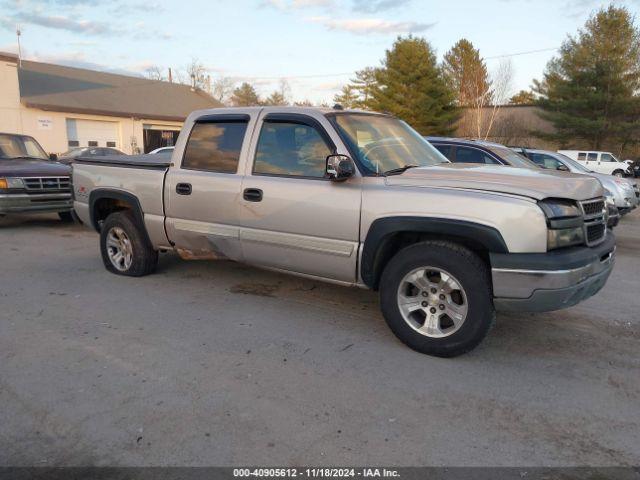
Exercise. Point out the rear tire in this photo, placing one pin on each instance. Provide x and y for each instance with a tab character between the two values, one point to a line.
124	246
446	283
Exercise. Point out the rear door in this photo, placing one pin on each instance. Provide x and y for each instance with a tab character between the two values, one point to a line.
202	195
293	218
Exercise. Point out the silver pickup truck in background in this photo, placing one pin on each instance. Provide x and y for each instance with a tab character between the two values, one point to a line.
358	199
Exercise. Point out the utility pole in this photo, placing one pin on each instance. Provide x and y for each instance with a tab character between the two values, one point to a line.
18	34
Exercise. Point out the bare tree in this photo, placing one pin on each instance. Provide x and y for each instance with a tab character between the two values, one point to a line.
222	89
502	80
284	89
198	75
154	72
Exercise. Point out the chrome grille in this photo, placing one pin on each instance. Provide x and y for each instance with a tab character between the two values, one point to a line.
593	207
595	221
47	184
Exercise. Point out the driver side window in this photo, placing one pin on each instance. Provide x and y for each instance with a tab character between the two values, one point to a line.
606	157
291	149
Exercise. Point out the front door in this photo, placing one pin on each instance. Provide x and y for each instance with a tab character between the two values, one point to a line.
292	218
202	196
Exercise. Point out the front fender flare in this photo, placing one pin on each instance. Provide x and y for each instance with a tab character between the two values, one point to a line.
383	229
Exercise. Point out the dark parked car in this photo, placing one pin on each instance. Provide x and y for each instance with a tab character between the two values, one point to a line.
458	150
68	156
30	181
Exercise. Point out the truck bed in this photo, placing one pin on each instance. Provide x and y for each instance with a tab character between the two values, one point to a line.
140	161
141	176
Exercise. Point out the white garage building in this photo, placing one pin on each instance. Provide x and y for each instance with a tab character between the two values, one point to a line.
64	107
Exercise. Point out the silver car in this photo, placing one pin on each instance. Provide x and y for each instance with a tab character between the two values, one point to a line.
625	192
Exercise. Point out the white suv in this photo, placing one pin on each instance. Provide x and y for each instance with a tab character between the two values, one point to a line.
599	162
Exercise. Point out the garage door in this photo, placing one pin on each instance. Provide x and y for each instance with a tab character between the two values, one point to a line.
92	133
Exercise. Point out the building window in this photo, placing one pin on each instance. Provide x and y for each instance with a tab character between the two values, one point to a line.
74	143
111	144
93	143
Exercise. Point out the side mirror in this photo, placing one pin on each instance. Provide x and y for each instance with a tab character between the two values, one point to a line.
339	168
563	168
53	157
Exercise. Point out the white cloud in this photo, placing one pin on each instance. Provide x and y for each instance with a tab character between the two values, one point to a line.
60	22
364	26
375	6
297	4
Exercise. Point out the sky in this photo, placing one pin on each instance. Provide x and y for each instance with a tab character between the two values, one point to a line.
316	45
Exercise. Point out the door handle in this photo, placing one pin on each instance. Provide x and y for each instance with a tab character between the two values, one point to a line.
252	194
183	189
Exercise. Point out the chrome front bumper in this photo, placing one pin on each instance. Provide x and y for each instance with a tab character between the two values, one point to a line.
548	289
46	202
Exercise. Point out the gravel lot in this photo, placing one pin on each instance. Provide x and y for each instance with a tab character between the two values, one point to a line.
209	363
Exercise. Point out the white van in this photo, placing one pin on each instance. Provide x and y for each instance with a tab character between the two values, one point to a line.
600	162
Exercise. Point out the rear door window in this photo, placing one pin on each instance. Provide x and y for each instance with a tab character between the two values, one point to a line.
592	157
215	146
445	150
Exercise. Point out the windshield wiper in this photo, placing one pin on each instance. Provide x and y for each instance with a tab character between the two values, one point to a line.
397	171
25	157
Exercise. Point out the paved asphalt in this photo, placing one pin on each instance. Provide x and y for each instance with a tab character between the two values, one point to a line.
214	363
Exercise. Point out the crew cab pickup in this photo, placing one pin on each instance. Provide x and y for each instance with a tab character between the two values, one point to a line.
358	199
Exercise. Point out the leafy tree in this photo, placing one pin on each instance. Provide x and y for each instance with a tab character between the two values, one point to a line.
348	97
590	91
523	97
467	73
411	86
245	96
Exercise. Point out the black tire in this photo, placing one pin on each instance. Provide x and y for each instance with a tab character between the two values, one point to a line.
618	173
468	269
66	217
144	257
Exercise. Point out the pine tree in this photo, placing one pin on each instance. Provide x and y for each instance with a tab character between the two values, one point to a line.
411	86
364	84
276	99
590	92
245	96
523	97
467	74
348	97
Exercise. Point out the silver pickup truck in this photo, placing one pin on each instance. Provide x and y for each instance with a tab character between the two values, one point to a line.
358	199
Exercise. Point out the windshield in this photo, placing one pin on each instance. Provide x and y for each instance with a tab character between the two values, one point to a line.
574	165
17	146
383	143
512	158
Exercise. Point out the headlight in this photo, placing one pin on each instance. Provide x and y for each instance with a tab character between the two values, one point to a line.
6	183
564	237
565	222
609	196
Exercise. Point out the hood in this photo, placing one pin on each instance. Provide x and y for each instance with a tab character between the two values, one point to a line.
533	183
609	181
33	168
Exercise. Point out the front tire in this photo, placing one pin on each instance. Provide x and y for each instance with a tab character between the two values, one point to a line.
125	248
66	217
618	173
436	298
